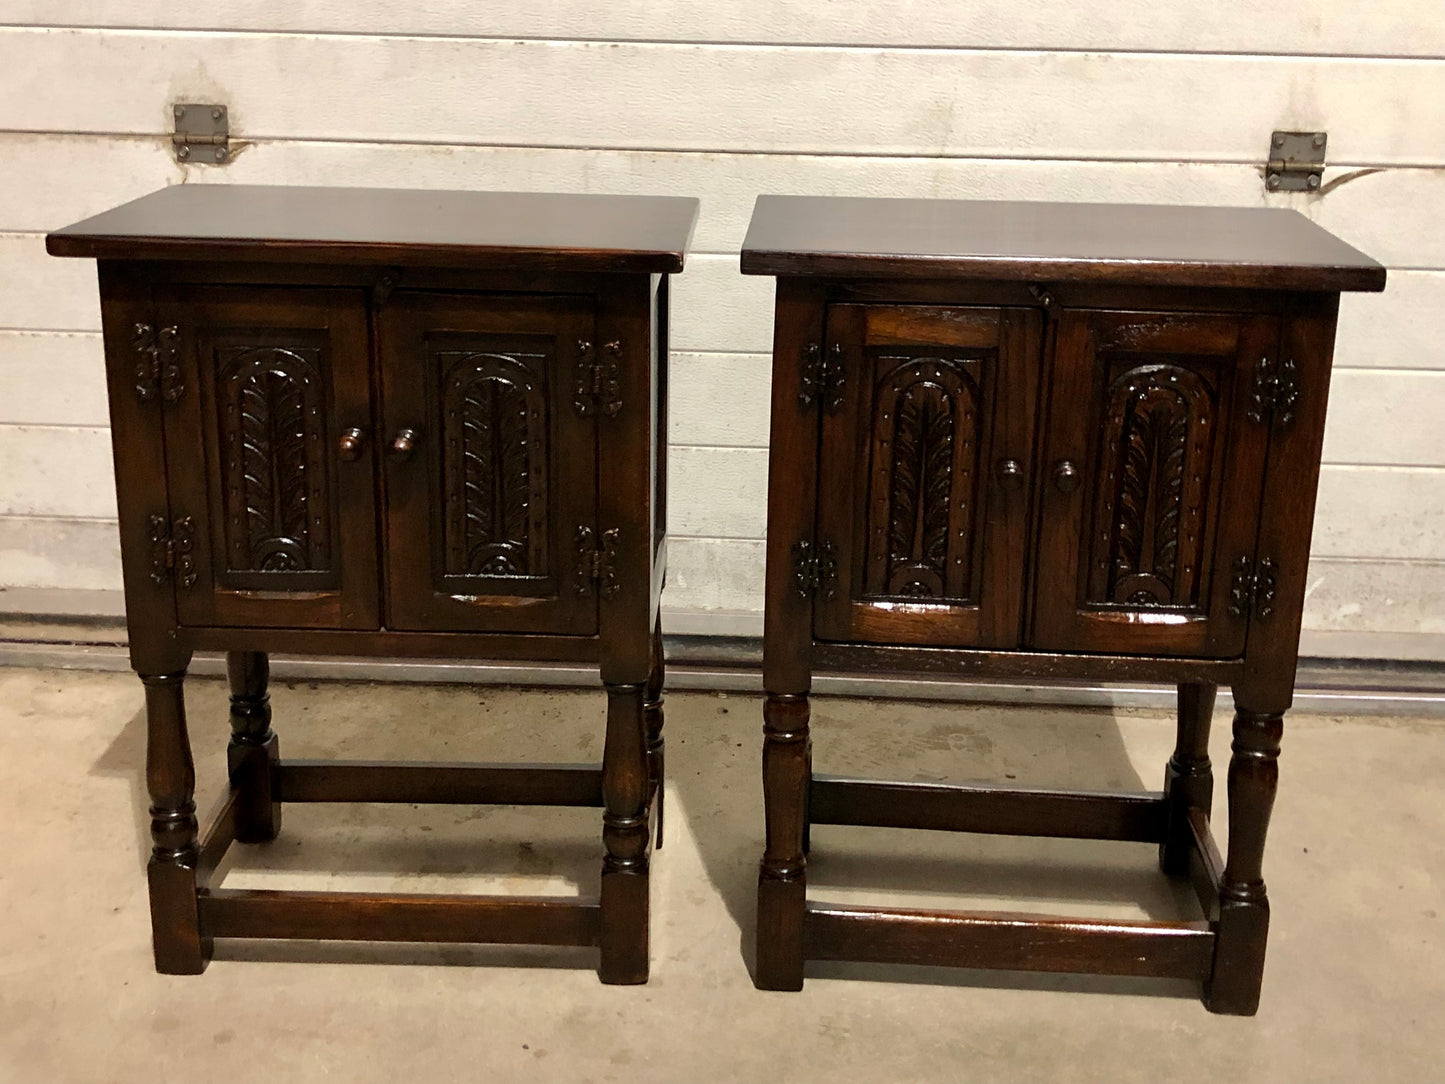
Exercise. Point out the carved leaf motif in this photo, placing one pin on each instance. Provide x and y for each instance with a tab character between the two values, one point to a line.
903	498
271	433
937	476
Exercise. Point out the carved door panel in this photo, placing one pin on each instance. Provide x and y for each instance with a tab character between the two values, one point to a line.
923	494
491	473
1151	482
272	517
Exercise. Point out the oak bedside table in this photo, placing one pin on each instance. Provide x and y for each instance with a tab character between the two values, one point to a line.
1032	440
369	422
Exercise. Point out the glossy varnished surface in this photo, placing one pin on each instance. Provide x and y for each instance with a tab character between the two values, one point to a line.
402	226
1250	247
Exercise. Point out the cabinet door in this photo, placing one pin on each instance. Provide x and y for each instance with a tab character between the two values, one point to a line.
922	500
272	521
1152	481
491	475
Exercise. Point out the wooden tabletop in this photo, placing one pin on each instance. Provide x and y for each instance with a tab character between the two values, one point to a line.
1247	247
391	226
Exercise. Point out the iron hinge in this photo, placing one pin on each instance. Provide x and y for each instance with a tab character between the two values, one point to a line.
1252	588
203	134
597	564
173	545
821	378
1276	392
598	385
158	363
815	570
1296	161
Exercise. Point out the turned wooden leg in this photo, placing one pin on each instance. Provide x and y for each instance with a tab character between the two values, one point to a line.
782	877
171	779
1243	905
652	715
1188	778
625	835
253	752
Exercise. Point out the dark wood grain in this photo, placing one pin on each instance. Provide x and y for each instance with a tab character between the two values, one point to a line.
1013	942
845	236
1046	442
515	230
362	916
953	807
361	422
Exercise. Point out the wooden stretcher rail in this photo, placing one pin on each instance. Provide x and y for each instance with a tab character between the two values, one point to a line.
1206	867
1011	942
361	916
993	810
442	784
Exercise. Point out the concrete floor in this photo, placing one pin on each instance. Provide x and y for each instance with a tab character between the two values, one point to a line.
1354	989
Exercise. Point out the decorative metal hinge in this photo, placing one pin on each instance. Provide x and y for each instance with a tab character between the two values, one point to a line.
1276	392
158	363
1296	161
1252	588
822	378
598	386
202	134
597	565
173	546
815	570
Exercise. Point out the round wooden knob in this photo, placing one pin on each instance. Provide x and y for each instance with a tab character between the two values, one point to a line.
1010	474
1066	476
350	444
404	443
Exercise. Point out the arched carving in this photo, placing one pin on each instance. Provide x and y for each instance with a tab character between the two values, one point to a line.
1158	438
494	464
272	433
925	460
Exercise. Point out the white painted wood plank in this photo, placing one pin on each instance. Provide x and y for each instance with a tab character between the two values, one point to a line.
1388	27
56	472
1397	216
1380	512
1401	328
720	97
720	399
52	379
44	293
715	307
714	574
1387	416
1375	596
717	492
78	554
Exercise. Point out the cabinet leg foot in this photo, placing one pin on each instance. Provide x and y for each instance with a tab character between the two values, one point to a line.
1239	946
782	877
180	948
254	752
624	896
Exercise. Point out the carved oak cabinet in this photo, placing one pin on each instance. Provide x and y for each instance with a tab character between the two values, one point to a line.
1038	441
353	421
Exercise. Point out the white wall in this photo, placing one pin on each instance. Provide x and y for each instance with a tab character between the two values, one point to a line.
1145	100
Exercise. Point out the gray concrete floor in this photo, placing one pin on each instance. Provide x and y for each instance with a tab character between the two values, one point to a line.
1354	988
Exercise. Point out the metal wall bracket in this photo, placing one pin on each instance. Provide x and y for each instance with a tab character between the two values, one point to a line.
1296	161
202	134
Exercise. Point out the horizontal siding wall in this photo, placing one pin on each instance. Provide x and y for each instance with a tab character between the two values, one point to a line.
1160	102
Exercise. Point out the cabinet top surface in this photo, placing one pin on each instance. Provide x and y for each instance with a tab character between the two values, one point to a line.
859	237
537	230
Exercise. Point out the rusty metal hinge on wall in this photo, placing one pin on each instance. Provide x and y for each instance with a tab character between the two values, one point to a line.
1296	161
1276	392
821	378
173	547
158	363
1252	588
815	570
598	385
597	564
